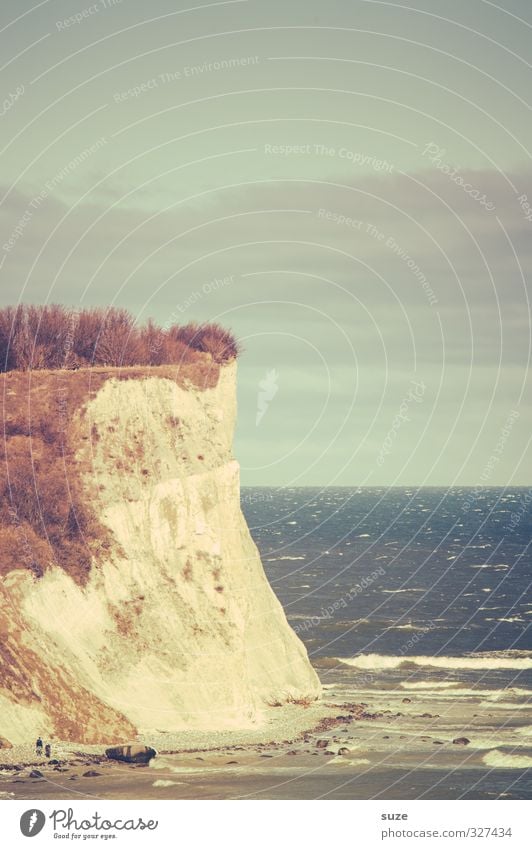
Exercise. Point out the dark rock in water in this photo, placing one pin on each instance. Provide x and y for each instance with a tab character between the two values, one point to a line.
328	752
406	701
426	716
54	762
385	736
437	742
73	778
36	773
322	744
230	763
266	756
133	754
343	750
91	773
461	741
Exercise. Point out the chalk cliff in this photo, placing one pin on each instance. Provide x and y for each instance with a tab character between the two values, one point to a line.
176	626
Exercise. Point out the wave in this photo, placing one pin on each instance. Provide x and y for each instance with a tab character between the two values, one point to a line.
487	661
496	758
409	590
162	783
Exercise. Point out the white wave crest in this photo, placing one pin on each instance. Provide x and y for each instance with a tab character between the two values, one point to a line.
496	758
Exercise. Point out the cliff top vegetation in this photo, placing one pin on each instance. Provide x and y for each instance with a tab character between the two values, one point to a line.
56	337
53	362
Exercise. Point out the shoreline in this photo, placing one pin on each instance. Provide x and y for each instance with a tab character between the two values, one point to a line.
286	724
381	741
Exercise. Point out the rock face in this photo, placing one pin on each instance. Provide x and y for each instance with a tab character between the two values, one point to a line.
177	626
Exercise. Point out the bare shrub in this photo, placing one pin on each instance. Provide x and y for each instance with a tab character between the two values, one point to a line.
54	337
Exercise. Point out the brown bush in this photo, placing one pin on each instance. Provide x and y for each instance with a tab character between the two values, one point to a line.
22	548
45	516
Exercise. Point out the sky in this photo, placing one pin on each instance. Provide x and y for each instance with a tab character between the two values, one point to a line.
347	185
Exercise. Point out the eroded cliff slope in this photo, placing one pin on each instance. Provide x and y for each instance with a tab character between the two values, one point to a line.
174	625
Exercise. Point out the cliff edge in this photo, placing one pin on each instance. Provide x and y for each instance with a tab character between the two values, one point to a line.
174	624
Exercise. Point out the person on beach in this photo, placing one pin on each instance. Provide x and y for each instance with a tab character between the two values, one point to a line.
38	746
48	750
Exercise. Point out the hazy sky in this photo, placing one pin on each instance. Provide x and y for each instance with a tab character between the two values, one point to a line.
347	185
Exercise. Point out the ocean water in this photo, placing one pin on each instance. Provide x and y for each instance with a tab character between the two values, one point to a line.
400	572
420	596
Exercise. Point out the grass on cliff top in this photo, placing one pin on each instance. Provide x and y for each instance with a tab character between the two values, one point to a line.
50	374
54	337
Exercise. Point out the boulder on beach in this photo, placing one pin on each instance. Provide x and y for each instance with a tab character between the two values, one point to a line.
5	744
132	754
461	741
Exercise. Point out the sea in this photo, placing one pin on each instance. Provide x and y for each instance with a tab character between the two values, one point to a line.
418	596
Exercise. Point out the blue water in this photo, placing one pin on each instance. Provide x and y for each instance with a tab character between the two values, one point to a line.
400	572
